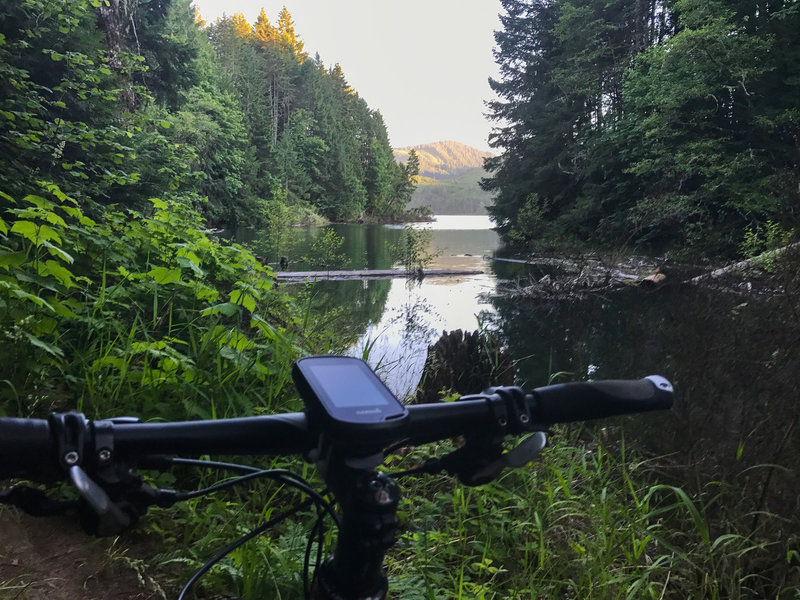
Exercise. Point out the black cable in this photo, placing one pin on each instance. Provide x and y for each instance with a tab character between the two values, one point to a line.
234	545
281	475
213	464
319	531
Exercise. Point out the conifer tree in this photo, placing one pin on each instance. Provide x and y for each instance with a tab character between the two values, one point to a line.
263	31
241	26
288	36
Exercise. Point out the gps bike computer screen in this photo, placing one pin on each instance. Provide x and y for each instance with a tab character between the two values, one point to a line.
344	392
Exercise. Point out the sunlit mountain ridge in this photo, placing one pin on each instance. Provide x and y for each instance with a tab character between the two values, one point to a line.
449	173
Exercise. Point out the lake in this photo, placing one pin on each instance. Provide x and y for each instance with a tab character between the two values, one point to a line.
734	356
394	321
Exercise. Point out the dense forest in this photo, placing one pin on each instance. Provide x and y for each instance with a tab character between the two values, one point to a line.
130	129
115	102
660	123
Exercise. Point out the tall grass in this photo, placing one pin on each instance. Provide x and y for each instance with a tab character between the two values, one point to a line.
583	522
146	314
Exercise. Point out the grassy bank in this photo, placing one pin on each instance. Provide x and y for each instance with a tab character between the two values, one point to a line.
120	312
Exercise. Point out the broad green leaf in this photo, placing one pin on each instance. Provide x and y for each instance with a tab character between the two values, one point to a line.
62	310
165	275
26	229
11	259
58	252
35	233
49	348
188	263
54	269
3	226
204	292
157	203
47	233
39	202
111	361
53	218
243	299
45	325
226	308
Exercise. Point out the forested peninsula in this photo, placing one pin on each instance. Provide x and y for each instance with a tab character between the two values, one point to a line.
659	124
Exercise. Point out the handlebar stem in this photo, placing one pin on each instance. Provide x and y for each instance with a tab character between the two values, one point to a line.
368	501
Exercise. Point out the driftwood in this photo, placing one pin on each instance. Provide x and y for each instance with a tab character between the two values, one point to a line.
577	277
744	266
573	286
367	274
464	363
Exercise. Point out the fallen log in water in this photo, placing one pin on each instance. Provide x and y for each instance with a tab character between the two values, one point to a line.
744	265
367	274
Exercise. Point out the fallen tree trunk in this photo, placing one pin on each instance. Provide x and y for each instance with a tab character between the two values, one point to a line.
367	274
744	265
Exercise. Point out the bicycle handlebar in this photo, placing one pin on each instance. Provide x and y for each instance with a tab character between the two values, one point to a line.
28	448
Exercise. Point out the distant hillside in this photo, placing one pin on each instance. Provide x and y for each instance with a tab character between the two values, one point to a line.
443	160
449	176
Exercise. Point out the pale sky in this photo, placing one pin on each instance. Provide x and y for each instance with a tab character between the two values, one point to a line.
423	63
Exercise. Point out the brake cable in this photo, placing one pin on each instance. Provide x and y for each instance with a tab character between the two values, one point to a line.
239	542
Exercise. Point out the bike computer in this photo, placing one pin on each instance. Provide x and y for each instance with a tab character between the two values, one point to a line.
346	400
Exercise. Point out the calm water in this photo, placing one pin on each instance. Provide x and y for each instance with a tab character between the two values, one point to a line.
734	358
395	320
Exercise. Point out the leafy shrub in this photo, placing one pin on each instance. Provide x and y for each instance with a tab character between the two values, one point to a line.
139	313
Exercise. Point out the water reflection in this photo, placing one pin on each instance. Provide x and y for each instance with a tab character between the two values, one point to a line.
735	361
393	321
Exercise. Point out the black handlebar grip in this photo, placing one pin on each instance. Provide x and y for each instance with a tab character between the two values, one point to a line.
26	448
581	401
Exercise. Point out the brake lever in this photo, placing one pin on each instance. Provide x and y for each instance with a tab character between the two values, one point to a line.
477	464
106	518
525	451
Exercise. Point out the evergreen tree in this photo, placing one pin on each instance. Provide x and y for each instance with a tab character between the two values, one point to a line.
656	122
288	36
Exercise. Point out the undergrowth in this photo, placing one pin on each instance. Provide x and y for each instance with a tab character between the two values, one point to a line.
585	521
121	312
136	313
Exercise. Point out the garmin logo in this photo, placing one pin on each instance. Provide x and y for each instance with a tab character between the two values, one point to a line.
371	411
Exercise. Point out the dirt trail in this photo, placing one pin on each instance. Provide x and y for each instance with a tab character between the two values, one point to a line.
50	558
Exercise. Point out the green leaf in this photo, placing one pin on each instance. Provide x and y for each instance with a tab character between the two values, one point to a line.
39	201
49	348
11	259
58	252
187	263
111	361
53	218
47	233
3	226
226	308
26	229
165	275
37	234
23	295
243	299
54	269
62	310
